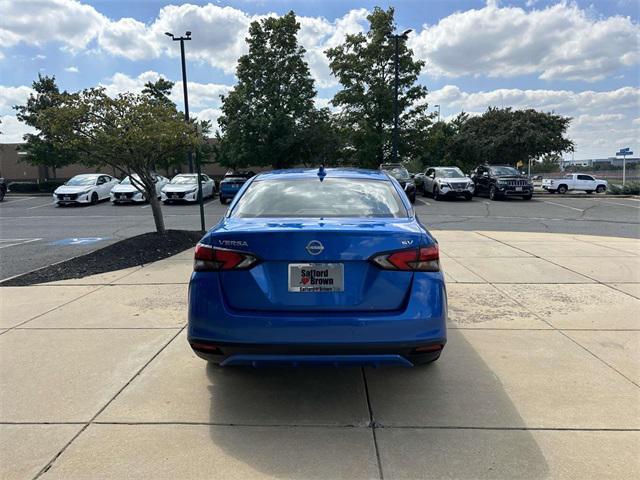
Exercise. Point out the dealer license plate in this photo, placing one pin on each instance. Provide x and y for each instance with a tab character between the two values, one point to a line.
316	277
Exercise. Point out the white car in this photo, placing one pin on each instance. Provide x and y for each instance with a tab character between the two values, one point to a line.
86	188
443	182
127	191
575	181
184	187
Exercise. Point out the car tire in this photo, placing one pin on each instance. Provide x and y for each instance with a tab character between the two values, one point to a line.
94	198
562	189
412	197
527	197
493	195
601	189
436	194
223	201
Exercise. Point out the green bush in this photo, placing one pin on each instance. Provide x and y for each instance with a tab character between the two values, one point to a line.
33	187
630	188
49	186
23	187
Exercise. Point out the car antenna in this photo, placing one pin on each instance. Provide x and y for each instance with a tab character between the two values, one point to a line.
321	173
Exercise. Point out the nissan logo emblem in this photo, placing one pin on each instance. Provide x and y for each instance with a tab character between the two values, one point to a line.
314	247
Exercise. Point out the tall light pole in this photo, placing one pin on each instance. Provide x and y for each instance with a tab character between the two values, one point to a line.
438	106
184	84
396	38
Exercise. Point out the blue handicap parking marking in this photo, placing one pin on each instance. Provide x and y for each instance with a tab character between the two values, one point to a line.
78	241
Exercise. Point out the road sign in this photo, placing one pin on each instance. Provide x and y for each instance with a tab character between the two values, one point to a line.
624	152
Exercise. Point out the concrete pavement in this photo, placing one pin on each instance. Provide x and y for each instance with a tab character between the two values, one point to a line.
540	379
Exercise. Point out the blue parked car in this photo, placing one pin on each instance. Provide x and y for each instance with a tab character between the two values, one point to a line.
318	267
231	184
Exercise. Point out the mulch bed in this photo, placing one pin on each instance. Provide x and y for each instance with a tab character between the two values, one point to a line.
139	250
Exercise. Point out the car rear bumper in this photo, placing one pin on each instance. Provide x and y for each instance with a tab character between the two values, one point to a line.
320	335
405	355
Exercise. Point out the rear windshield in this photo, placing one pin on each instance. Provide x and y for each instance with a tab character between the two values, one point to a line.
308	197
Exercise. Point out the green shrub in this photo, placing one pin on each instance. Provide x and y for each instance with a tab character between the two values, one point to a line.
49	186
23	187
33	187
630	188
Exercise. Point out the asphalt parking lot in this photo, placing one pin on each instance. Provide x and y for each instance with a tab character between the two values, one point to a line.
34	233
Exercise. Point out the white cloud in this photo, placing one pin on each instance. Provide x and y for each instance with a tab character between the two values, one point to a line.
10	96
39	57
557	42
201	95
218	32
601	121
37	22
12	130
72	69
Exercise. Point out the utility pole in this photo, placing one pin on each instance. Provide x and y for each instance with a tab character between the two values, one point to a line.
438	107
184	86
396	38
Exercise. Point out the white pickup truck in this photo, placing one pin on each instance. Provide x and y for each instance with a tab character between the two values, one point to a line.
574	181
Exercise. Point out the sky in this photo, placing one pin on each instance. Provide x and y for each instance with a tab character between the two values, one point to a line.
579	59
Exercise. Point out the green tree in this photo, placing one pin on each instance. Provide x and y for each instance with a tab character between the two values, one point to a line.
364	65
506	136
159	90
133	133
39	147
266	117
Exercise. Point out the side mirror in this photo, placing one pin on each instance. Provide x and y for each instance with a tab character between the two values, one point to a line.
433	175
485	174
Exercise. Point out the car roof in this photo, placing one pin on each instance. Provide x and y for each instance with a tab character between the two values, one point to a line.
329	173
90	175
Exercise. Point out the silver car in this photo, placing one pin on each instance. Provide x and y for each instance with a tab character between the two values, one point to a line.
441	182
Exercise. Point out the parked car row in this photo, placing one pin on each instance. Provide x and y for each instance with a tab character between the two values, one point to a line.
498	181
93	187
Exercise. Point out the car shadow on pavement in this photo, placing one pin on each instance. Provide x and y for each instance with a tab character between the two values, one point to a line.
449	419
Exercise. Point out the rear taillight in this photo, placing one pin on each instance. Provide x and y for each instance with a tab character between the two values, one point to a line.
425	259
208	258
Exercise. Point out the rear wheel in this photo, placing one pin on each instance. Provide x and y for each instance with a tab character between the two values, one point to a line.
94	198
412	197
562	189
223	201
601	189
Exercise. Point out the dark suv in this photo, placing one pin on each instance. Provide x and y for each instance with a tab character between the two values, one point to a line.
401	174
499	181
231	183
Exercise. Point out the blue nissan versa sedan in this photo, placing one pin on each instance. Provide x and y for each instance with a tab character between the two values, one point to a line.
318	267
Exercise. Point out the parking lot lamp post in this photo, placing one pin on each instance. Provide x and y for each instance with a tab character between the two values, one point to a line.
200	199
184	84
438	107
396	38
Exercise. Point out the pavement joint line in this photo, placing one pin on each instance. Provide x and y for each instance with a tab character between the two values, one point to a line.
49	464
39	206
330	426
53	309
535	313
562	332
622	291
372	424
591	242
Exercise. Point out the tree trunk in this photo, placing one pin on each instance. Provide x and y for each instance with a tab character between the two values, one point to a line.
156	209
